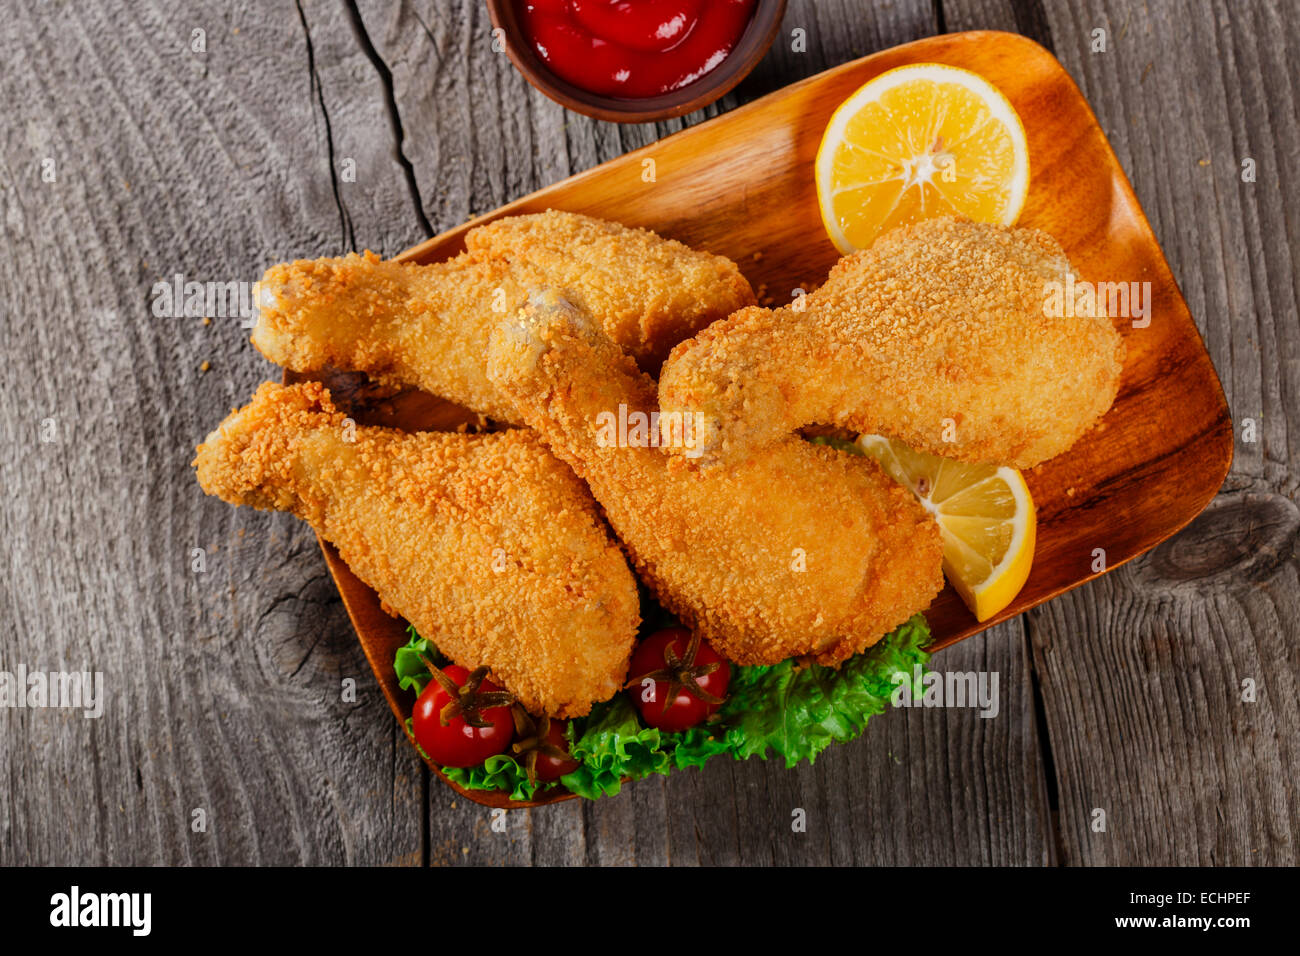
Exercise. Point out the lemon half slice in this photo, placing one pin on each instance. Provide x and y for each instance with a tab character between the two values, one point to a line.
917	142
986	517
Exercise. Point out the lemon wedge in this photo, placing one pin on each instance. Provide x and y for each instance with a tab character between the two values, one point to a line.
917	142
986	518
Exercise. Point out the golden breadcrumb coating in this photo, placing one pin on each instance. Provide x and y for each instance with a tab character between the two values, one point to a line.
486	543
798	550
429	325
649	292
935	335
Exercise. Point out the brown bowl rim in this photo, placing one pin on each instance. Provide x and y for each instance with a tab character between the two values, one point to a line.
752	46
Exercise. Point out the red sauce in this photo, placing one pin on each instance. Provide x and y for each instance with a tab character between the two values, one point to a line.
633	48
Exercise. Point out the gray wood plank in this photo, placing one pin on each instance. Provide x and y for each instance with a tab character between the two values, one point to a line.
223	687
1142	671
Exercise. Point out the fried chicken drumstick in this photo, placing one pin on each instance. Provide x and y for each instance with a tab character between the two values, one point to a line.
799	550
429	325
935	335
486	543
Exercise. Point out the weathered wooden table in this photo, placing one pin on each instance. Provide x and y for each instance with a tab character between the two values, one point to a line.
143	140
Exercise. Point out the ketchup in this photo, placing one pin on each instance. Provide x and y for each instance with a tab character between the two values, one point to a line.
633	48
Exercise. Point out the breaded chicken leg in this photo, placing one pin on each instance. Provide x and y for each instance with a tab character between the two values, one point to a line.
935	335
486	543
799	550
429	325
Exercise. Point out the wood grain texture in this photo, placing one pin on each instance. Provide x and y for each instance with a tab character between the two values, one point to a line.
224	692
223	687
1142	672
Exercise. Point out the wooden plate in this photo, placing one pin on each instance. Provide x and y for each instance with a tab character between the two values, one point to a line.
742	185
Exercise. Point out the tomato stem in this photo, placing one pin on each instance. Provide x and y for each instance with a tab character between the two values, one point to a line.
682	673
468	702
533	742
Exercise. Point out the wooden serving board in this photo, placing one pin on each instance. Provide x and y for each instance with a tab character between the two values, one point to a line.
741	185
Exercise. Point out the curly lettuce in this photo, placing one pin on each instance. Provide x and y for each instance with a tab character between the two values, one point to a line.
786	710
797	712
408	665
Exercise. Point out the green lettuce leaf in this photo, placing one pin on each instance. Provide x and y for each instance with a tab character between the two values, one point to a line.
798	712
502	772
614	746
784	710
411	672
696	745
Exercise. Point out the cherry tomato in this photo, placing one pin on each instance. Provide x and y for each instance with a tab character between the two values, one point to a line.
461	719
688	679
549	766
542	747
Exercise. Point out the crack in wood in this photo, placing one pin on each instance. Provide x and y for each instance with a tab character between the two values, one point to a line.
345	219
390	105
1056	846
